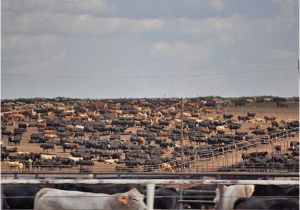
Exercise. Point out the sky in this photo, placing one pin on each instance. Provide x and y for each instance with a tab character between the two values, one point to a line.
149	48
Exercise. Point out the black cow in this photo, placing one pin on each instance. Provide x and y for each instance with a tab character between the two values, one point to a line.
14	139
11	149
243	118
275	190
70	146
267	203
203	195
47	146
23	125
25	195
259	132
4	155
251	114
234	126
165	198
19	131
227	116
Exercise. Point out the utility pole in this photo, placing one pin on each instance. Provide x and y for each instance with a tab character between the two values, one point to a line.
181	133
181	143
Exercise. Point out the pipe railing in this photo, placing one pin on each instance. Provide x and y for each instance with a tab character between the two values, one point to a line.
150	183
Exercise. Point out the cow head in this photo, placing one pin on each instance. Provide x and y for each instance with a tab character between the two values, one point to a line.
133	199
124	199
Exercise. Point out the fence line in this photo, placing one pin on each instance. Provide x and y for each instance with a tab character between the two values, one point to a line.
253	142
150	184
149	181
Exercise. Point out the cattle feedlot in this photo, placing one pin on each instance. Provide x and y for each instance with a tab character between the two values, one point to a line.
150	105
193	153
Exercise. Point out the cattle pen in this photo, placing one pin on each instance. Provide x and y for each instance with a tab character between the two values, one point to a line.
177	158
211	160
150	184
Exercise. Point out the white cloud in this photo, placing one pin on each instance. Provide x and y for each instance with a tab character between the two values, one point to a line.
45	22
207	36
226	30
25	43
183	53
209	26
288	9
281	55
209	39
57	6
102	25
216	4
22	53
222	30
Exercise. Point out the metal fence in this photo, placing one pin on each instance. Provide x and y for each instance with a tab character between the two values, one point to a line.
151	183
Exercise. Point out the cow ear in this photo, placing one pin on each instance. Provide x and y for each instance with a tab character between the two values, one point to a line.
123	199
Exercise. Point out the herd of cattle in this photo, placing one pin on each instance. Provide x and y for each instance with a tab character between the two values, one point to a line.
133	134
111	197
141	135
264	161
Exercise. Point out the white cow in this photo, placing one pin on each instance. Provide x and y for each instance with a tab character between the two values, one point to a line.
79	127
76	159
111	161
47	157
232	193
221	128
259	119
54	199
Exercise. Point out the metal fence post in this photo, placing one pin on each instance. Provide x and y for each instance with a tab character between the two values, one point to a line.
221	191
150	196
181	198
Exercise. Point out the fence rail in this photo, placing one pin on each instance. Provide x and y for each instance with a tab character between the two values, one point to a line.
126	175
148	181
150	184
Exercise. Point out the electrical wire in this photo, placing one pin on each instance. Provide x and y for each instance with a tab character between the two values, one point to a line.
143	76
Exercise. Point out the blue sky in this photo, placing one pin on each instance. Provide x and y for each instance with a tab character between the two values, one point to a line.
143	48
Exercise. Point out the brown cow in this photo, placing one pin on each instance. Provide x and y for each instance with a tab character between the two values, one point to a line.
282	104
267	118
207	111
163	133
141	140
17	165
205	130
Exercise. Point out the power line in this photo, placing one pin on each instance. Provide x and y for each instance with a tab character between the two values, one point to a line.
142	76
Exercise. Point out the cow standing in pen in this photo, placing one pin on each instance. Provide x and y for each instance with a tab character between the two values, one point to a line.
53	199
